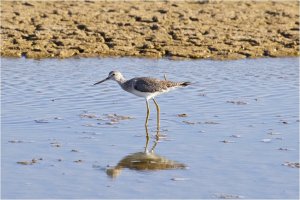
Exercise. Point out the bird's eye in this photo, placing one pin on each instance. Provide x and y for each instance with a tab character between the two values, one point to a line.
113	74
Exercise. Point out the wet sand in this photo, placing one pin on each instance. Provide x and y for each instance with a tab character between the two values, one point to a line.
216	30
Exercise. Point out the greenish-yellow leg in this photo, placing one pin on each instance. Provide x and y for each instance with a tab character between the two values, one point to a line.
147	133
148	112
158	110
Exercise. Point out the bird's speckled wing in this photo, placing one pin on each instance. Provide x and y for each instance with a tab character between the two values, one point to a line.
145	84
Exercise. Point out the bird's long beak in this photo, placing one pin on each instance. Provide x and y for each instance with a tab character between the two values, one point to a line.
102	81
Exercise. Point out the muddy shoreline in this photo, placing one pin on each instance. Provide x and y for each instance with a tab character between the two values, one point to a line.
207	29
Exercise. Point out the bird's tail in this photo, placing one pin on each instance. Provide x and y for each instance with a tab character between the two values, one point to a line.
185	84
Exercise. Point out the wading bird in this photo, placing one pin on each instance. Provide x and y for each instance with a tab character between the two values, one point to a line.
145	87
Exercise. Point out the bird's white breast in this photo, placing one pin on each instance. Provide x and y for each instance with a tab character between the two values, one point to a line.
148	95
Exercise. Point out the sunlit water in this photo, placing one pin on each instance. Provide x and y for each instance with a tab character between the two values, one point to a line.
239	115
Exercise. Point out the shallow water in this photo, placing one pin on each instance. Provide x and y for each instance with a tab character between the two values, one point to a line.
240	130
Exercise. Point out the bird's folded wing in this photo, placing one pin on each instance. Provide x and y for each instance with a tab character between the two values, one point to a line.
152	85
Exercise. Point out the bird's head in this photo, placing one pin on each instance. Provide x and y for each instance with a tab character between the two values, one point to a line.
113	75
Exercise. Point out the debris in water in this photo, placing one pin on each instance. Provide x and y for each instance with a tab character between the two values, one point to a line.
285	149
29	162
111	123
58	118
229	196
88	115
55	144
110	119
78	161
41	121
182	115
237	102
179	179
274	133
227	141
189	123
284	121
55	99
291	164
235	136
15	141
116	117
25	162
211	122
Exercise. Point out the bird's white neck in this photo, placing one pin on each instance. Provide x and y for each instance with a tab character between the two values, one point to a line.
120	80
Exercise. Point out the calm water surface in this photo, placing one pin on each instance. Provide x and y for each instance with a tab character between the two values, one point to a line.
240	131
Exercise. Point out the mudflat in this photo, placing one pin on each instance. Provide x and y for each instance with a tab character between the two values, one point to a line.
204	29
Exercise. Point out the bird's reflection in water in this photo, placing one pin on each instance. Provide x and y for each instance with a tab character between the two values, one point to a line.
144	161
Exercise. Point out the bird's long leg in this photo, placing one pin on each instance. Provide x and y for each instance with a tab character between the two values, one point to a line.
158	110
148	112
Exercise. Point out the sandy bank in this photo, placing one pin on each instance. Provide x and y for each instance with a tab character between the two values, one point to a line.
217	30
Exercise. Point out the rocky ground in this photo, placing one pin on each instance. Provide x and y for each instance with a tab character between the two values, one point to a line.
207	29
